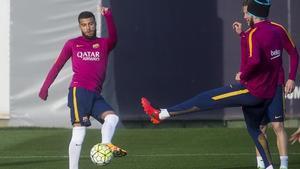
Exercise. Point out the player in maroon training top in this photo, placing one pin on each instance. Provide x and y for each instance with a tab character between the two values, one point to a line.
89	56
275	111
257	85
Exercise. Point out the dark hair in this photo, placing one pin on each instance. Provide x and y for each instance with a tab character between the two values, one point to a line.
245	2
86	14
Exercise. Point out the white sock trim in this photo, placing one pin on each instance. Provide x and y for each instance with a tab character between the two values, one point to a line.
260	162
78	134
284	161
108	128
164	114
270	167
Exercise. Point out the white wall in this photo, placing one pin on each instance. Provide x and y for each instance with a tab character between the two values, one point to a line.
4	58
35	43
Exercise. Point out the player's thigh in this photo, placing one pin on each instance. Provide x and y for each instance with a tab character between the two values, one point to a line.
101	108
80	102
265	121
276	108
236	96
254	114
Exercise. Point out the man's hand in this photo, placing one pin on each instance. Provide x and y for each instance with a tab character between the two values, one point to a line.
103	10
237	76
43	94
289	86
295	137
237	27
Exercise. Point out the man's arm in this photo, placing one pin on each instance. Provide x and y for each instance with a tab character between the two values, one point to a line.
111	27
238	28
253	59
243	50
291	49
59	63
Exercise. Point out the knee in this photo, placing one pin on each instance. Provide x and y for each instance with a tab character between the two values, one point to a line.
112	117
85	121
78	134
109	115
104	114
278	127
254	132
263	128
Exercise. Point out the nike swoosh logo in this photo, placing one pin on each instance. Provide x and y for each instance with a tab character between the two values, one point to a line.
277	117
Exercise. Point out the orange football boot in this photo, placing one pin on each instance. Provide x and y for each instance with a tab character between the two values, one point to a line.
117	151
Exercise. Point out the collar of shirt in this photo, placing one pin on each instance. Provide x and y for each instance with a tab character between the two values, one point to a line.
259	24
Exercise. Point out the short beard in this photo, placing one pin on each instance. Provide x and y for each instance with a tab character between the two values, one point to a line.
251	22
89	37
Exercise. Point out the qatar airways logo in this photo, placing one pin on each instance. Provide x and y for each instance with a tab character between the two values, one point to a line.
275	54
89	56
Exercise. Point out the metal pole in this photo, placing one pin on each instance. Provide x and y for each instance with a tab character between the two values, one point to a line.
99	29
289	16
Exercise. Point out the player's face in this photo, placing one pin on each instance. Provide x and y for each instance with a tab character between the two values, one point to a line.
248	18
88	27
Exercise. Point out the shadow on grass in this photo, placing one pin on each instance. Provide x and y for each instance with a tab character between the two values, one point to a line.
243	167
27	162
292	165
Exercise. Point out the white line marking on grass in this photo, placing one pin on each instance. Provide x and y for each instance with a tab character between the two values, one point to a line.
146	155
201	154
28	157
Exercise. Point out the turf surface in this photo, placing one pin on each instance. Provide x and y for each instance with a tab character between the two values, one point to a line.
175	148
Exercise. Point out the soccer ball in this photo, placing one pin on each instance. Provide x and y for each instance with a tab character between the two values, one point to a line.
101	154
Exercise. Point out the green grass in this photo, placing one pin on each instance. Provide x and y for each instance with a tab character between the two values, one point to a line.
175	148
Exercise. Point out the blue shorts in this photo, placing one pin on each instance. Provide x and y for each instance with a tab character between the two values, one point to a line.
275	111
85	103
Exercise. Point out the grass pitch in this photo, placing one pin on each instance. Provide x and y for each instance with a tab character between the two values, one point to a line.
172	148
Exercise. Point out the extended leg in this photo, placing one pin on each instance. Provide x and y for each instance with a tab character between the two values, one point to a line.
227	96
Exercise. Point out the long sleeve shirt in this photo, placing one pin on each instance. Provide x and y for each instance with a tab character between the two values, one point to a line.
289	46
261	66
89	59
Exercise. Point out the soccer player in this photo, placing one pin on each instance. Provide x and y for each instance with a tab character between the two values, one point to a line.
89	56
258	83
295	136
275	111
